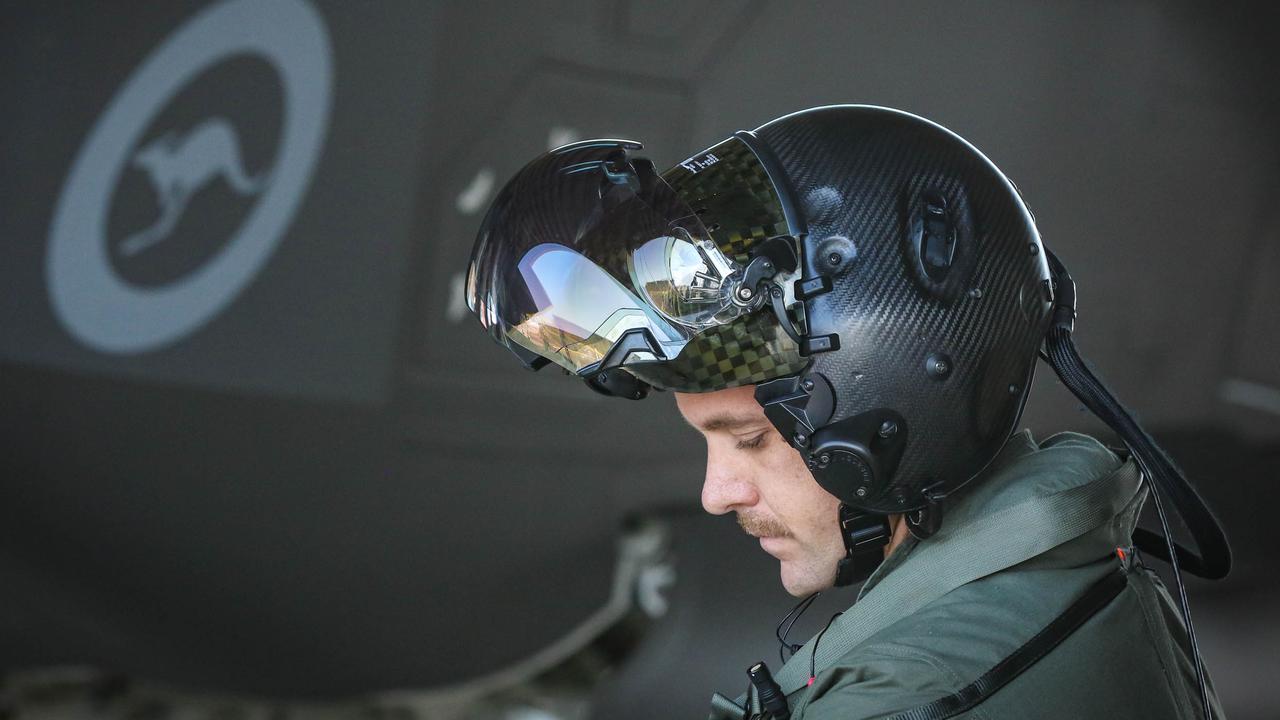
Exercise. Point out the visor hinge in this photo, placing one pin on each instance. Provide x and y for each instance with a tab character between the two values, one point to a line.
769	258
758	272
779	303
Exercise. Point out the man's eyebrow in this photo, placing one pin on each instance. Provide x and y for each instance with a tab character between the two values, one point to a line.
727	422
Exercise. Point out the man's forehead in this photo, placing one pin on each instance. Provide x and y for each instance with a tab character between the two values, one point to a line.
721	410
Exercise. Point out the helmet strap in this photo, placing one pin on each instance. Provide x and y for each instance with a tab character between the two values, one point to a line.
865	536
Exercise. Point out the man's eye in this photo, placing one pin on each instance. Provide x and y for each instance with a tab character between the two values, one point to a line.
751	443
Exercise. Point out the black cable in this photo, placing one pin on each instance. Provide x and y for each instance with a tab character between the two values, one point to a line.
813	656
797	610
1183	603
1164	477
1214	560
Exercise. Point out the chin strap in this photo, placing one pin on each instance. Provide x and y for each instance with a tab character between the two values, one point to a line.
865	535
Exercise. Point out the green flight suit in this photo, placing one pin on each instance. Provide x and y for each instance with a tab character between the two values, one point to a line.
1017	547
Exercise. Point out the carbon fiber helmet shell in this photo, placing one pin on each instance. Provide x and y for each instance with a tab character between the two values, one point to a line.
952	353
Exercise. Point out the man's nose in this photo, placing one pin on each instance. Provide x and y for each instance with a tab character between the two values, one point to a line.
726	488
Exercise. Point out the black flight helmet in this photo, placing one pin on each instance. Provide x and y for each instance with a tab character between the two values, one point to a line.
875	277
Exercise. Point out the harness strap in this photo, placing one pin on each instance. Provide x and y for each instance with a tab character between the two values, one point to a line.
956	556
1097	597
1028	529
968	697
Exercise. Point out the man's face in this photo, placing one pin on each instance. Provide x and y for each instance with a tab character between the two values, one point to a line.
753	472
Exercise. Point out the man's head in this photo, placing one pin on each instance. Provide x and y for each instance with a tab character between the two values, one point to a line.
753	472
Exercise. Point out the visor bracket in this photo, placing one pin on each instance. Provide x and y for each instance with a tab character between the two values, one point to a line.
780	309
812	287
819	344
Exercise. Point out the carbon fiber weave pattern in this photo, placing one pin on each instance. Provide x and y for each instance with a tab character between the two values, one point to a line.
733	196
859	172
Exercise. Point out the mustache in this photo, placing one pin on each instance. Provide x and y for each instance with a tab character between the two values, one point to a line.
759	526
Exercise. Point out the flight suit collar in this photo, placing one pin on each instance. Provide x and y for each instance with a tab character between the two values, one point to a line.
1018	445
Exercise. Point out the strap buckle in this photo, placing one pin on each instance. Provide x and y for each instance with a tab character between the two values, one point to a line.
865	536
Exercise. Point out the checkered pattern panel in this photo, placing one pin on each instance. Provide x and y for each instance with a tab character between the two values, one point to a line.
745	352
731	191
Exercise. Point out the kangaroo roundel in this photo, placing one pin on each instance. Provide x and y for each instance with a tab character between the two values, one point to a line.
98	307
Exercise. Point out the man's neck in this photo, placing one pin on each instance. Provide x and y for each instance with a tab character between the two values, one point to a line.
898	532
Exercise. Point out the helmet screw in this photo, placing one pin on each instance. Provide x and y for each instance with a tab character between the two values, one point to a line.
800	439
938	365
745	292
806	385
1013	389
1033	248
824	460
775	291
834	258
888	428
860	492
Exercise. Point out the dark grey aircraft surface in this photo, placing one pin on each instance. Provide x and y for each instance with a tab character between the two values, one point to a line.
254	445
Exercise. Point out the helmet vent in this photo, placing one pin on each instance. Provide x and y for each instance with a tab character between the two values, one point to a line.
939	242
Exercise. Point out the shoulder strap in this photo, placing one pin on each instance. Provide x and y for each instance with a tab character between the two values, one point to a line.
968	697
1030	528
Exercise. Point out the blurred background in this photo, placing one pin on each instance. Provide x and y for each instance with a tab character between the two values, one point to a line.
258	460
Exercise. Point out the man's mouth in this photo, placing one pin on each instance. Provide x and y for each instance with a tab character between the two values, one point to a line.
762	527
775	545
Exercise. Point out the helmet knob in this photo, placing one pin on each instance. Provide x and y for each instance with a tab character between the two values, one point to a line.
853	459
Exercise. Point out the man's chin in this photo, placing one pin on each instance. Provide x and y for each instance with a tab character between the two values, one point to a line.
800	582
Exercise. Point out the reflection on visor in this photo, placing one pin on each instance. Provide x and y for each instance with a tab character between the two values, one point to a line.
587	243
577	311
688	281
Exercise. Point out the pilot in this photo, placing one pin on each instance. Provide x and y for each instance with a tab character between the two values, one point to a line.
849	303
